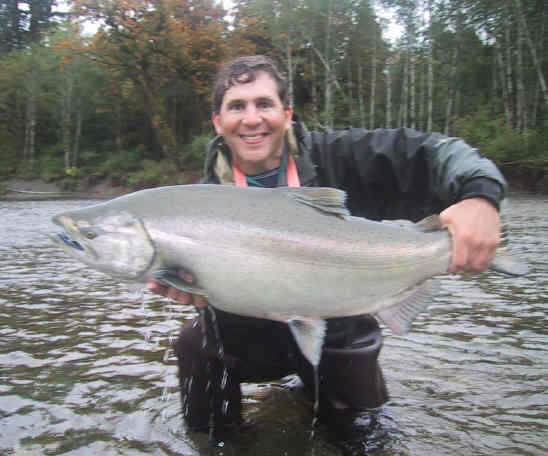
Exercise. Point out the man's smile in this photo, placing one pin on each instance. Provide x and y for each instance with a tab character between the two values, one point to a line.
252	139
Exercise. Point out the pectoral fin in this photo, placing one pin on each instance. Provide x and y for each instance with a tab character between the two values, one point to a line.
309	334
172	279
414	301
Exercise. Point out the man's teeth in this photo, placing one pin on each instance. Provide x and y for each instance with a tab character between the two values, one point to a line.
253	137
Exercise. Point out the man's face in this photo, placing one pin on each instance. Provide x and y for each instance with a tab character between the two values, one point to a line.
253	122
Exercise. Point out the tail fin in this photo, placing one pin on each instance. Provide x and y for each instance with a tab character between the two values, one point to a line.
507	264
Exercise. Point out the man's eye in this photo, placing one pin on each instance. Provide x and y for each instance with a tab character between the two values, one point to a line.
236	107
264	105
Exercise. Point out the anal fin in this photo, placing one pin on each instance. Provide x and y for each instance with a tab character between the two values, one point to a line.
309	334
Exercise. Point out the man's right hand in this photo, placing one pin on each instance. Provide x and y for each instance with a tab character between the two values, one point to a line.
181	297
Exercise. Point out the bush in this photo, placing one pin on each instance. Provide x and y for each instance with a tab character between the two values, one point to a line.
504	145
51	168
124	161
194	153
153	174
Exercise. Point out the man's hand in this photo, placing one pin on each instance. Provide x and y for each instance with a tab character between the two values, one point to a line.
177	295
474	225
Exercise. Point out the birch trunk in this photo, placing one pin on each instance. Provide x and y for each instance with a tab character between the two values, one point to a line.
532	49
29	151
289	57
412	79
314	90
508	69
404	92
67	119
328	93
360	95
388	93
421	120
373	82
77	134
521	105
430	82
451	92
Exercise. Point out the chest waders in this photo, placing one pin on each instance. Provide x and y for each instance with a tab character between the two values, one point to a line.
257	350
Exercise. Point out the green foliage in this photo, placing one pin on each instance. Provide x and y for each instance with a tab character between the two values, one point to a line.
51	168
480	128
194	153
506	146
9	159
153	173
121	163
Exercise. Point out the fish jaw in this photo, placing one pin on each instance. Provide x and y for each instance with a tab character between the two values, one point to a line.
117	244
71	241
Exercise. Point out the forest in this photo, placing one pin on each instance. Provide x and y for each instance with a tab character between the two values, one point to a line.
119	90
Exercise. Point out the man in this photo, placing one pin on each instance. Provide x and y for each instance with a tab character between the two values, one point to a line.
387	174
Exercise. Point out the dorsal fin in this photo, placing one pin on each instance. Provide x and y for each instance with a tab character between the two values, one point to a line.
329	200
430	223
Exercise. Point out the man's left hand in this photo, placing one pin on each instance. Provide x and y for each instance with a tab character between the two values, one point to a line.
475	230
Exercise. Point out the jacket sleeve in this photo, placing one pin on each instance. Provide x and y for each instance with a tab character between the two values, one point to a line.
402	172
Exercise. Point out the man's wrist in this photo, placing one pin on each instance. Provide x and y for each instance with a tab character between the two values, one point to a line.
483	187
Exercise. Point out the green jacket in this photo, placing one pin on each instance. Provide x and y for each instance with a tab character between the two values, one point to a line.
387	174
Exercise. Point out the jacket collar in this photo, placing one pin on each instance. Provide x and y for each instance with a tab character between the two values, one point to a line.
218	163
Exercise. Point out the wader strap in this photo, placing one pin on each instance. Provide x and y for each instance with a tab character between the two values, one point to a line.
291	174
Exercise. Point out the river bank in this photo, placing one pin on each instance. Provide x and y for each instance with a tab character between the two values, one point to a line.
36	189
17	189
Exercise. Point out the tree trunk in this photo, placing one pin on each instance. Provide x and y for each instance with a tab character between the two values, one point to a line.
328	92
412	79
77	133
67	119
373	81
388	93
404	92
157	116
29	151
289	57
451	92
360	95
521	105
508	69
314	89
430	82
532	49
502	80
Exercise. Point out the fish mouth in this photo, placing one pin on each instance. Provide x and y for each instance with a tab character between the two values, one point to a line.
65	239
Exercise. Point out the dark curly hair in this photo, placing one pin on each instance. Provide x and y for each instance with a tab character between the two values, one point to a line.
243	70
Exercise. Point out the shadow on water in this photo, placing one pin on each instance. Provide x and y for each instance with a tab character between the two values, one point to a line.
86	366
278	422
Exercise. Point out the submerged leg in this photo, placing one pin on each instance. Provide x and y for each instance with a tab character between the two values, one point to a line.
350	375
209	388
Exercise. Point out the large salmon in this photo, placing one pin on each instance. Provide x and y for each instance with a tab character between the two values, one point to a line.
287	254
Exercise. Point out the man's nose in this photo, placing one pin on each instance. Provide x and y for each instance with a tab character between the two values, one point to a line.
252	116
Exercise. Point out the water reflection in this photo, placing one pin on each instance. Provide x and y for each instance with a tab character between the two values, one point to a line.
85	364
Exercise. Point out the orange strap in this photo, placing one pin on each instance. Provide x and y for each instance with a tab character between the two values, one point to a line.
292	174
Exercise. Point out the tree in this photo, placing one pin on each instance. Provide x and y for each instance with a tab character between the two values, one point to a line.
159	45
24	22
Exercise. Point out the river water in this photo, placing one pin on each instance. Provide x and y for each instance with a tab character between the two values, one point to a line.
86	365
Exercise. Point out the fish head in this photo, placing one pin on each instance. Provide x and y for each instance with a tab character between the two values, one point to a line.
116	243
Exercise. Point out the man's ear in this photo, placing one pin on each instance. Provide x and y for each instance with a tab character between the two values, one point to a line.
216	123
288	117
